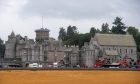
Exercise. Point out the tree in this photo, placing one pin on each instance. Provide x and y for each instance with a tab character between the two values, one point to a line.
84	38
105	28
2	48
71	30
92	31
98	30
71	37
137	40
62	34
73	40
119	27
133	31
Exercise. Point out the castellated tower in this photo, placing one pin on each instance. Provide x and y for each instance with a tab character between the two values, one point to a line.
10	46
42	34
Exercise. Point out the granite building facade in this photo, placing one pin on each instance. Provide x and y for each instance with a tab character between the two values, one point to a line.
114	47
44	50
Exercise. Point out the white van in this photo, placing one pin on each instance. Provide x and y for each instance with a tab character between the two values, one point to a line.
35	65
55	65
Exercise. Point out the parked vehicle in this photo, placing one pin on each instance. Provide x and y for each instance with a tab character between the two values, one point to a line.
35	65
55	65
14	66
99	63
0	66
113	65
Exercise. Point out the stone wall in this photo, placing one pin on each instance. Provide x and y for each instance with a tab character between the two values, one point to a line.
123	51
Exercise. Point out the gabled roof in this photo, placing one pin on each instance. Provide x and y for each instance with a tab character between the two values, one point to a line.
115	40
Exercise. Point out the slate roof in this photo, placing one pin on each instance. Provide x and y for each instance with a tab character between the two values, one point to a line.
115	40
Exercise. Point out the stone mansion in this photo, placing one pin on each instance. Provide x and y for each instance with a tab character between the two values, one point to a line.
46	50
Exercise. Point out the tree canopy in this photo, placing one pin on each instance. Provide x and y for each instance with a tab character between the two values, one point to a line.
72	37
71	30
133	31
118	26
136	34
93	31
105	28
62	34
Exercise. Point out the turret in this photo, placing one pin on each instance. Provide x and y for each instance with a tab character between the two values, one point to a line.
10	46
42	34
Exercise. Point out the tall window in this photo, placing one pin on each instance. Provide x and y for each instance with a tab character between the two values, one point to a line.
120	50
131	51
103	49
126	50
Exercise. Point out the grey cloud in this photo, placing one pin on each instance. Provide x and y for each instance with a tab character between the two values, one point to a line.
79	9
3	5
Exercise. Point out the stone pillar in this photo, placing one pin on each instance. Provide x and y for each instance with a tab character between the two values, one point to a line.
33	54
41	54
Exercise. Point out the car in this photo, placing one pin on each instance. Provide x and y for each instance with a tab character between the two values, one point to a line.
0	66
35	65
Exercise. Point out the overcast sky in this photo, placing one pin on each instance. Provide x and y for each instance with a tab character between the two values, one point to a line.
24	16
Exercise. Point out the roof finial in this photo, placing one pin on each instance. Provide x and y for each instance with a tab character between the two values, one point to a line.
42	21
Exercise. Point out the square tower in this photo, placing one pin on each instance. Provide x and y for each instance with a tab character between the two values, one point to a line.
42	34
